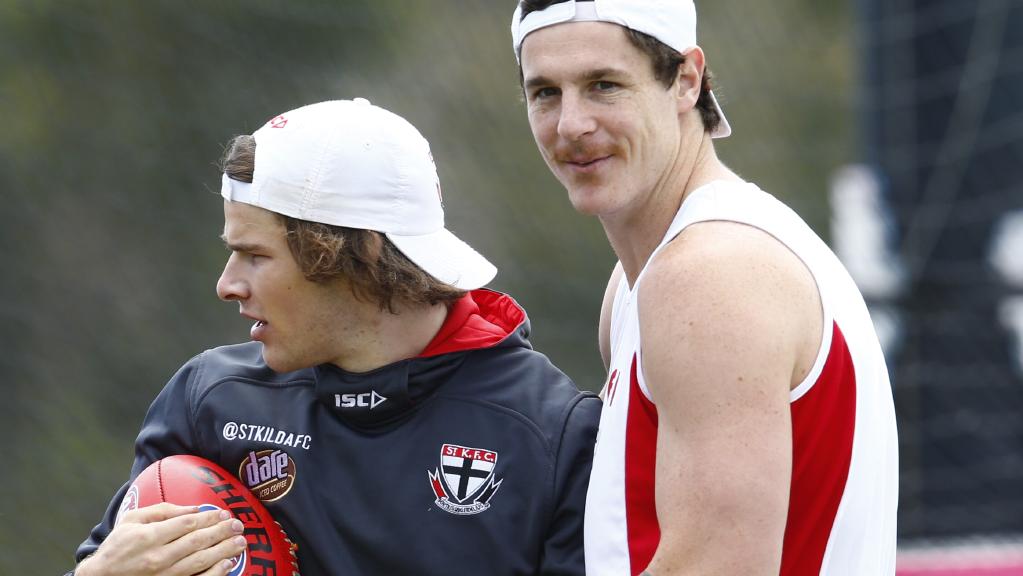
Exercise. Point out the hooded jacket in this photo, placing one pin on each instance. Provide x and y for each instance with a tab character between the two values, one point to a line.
472	458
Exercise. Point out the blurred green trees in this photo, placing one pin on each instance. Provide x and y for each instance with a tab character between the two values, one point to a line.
115	112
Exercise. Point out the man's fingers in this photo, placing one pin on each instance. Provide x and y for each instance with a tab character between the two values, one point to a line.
216	547
175	528
157	513
181	545
186	544
207	537
221	568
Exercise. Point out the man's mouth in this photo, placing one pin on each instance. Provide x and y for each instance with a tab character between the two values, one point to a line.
585	163
258	329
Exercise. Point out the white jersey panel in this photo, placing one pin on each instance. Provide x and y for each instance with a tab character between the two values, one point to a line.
861	539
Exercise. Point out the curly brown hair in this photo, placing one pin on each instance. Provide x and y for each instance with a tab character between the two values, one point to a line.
664	59
372	265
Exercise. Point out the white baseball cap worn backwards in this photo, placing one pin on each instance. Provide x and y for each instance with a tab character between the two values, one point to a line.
350	163
672	22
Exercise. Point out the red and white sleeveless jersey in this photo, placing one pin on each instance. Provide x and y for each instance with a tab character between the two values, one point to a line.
844	490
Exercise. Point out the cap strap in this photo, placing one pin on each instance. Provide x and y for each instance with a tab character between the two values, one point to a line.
237	191
570	11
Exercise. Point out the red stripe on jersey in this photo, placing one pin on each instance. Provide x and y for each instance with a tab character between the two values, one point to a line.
640	458
823	422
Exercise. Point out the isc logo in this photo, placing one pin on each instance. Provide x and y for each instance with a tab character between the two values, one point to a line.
364	400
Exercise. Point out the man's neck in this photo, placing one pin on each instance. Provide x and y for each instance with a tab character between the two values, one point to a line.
635	235
395	337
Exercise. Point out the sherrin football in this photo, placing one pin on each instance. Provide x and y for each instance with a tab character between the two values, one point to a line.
194	481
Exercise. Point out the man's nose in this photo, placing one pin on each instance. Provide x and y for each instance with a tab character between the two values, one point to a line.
576	119
231	286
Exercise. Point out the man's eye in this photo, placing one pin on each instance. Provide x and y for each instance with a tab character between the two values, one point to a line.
248	256
604	86
544	93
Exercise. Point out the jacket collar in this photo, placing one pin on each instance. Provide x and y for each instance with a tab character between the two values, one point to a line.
481	319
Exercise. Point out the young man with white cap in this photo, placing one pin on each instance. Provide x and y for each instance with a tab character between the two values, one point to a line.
748	425
415	430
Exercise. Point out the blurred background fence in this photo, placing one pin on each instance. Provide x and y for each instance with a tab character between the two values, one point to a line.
904	115
943	123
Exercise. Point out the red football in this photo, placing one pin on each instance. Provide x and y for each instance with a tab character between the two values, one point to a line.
194	481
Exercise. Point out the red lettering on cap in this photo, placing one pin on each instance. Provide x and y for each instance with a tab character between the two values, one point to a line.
278	121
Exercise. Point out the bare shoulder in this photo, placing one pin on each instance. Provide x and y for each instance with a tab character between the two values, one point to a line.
712	252
725	292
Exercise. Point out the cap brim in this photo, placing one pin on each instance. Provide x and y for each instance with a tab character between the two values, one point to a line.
444	256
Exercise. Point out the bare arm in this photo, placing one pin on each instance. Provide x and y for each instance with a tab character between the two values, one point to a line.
170	540
726	313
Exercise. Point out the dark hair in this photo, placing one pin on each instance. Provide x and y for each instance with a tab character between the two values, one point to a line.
371	264
664	59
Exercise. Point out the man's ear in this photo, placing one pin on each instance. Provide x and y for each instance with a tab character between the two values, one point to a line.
689	79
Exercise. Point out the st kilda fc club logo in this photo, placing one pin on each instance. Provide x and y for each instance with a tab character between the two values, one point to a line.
465	482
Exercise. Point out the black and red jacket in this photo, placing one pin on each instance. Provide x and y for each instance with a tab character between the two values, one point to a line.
472	458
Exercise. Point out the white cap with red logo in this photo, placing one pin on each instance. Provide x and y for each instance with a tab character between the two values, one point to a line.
350	163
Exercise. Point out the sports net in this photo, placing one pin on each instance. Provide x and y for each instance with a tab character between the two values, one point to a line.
941	201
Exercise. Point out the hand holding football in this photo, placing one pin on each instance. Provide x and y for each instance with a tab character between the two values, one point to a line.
194	481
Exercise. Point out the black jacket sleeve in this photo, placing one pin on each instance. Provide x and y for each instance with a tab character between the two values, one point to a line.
563	547
166	430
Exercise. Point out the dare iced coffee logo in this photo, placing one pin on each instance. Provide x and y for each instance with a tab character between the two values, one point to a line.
269	474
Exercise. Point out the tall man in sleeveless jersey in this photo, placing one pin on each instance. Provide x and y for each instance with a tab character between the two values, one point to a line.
748	425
